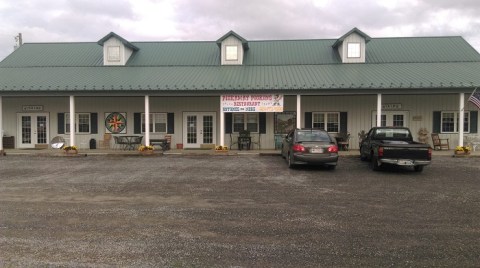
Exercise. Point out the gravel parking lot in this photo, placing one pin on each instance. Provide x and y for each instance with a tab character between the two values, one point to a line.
235	211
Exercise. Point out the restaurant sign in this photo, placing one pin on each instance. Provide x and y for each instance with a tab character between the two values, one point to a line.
252	103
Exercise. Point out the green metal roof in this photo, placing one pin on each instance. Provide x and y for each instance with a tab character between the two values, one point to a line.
307	65
239	78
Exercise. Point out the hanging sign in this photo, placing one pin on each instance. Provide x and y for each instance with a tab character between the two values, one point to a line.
32	108
252	103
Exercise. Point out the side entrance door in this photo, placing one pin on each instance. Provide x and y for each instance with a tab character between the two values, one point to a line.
32	129
199	128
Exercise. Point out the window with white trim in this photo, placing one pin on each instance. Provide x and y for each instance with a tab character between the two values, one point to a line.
247	121
450	122
82	123
329	122
158	122
231	52
353	50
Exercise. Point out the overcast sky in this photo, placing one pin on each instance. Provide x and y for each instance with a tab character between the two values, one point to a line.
168	20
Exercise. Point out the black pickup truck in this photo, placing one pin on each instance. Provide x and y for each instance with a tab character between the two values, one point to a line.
394	146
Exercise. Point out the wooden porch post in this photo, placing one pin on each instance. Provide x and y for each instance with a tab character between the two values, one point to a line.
1	126
147	120
379	110
299	111
72	120
222	124
461	119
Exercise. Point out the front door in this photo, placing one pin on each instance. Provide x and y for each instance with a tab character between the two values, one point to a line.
32	129
199	128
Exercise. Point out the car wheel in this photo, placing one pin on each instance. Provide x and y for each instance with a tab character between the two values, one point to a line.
375	165
418	168
362	156
290	161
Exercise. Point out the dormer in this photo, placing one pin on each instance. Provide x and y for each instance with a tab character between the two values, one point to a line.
232	48
352	46
116	50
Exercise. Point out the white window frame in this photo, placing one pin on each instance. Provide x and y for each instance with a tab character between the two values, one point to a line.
246	124
231	53
354	50
77	123
456	117
326	121
153	122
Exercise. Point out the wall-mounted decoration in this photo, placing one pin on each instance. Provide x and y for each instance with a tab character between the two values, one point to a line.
116	123
285	122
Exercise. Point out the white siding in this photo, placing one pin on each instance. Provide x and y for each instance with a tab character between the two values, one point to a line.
420	110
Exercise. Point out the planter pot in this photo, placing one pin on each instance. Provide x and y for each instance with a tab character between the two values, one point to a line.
147	152
459	153
179	145
71	152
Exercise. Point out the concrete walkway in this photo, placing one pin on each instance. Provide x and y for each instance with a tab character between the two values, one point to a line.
86	152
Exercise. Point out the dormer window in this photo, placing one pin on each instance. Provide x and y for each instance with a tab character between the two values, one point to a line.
116	50
231	52
351	47
232	49
353	50
113	53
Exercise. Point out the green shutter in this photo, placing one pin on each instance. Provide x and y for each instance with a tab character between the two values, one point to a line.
61	123
171	123
228	123
93	123
262	118
437	118
474	122
343	122
308	119
137	123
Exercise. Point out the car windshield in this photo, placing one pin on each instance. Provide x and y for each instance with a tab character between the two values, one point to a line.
393	134
303	136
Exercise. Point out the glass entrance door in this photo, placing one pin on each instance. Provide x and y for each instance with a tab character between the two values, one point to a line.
32	129
199	129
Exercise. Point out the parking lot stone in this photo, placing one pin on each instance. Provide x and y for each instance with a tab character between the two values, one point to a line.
235	211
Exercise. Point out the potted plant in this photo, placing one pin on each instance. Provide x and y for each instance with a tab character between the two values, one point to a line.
462	150
72	149
146	149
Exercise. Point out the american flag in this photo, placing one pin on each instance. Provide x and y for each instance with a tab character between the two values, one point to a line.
475	98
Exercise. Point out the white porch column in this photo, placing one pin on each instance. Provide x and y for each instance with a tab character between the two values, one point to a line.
147	120
461	119
379	110
1	126
222	127
299	109
72	120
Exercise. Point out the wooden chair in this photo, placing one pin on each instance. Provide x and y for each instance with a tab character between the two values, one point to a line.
169	142
439	144
105	143
233	140
343	141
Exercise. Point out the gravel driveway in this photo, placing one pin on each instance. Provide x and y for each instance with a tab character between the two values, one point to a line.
235	211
